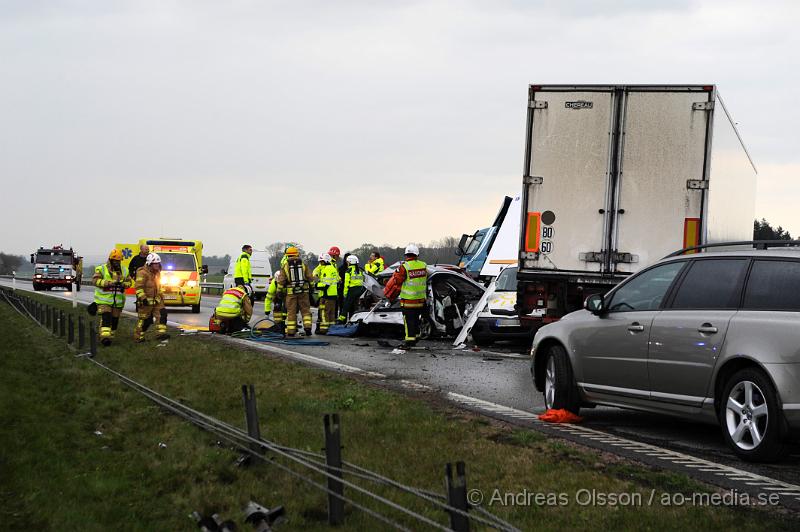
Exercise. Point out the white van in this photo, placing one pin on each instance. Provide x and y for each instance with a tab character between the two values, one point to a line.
260	268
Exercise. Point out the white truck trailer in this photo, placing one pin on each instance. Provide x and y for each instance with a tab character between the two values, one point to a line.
618	176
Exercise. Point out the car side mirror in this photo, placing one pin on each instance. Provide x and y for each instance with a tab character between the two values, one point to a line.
594	304
204	269
32	261
460	246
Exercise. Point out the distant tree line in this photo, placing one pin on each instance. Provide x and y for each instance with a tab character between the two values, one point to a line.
762	230
442	251
10	263
216	263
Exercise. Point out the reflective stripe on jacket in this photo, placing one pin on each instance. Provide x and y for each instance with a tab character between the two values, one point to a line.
413	290
329	281
110	296
353	277
375	267
230	306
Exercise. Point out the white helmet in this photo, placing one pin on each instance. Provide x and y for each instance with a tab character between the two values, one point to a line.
326	257
412	249
152	258
352	259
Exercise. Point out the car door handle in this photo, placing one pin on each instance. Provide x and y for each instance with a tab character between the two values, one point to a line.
636	327
707	328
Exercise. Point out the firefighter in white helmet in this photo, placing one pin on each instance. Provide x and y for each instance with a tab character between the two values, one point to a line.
294	280
352	288
149	299
410	282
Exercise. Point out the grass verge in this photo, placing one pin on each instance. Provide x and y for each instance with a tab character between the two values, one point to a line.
81	451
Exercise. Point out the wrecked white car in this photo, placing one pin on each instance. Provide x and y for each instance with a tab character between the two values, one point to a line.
452	296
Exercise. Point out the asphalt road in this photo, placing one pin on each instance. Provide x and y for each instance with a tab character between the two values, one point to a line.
499	375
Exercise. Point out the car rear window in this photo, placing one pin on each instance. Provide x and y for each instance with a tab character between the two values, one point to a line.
774	285
711	284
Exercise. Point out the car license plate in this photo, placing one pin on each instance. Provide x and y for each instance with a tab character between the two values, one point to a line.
514	322
170	297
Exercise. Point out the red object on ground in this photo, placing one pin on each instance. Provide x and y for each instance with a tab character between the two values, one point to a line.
560	416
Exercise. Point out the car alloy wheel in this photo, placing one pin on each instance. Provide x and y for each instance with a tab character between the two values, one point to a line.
746	415
550	382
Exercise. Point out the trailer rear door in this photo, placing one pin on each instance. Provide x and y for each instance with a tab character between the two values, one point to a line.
663	148
569	148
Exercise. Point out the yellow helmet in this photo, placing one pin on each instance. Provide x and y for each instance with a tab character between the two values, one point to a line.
292	252
115	255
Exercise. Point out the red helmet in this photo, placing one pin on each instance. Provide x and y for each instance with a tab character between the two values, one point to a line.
334	251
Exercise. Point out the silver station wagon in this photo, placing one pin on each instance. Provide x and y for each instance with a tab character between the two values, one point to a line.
714	335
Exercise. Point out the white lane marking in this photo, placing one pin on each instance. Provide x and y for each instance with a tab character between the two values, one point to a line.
305	358
721	470
688	461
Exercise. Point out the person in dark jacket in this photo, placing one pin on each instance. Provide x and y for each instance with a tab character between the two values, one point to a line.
137	262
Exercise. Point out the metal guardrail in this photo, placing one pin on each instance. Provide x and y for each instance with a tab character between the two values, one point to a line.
205	287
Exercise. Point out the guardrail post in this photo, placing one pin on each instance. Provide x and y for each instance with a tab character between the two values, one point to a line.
81	333
62	324
70	329
457	496
54	321
47	316
251	415
333	462
92	339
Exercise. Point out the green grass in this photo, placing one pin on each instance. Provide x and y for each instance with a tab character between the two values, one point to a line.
56	473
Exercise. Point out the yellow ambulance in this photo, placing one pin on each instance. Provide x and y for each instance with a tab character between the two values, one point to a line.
181	268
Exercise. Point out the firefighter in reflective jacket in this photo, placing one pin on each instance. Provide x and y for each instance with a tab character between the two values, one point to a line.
412	279
110	281
375	264
353	288
149	299
234	310
275	302
328	286
242	275
294	280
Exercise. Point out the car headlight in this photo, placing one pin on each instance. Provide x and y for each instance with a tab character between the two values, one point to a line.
68	277
191	284
38	275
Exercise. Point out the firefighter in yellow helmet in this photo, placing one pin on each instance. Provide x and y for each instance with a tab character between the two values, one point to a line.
275	302
294	280
110	281
149	299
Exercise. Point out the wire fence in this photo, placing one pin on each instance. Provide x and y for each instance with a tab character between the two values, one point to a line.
308	467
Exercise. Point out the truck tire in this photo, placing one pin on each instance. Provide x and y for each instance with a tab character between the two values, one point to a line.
560	390
196	309
751	417
37	287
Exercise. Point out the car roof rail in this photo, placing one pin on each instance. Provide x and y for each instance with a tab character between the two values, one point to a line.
757	244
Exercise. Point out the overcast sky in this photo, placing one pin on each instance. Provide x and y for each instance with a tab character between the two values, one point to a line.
340	122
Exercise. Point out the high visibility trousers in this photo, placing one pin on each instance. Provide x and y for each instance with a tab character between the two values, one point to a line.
147	314
350	303
411	317
295	303
327	313
279	314
109	321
